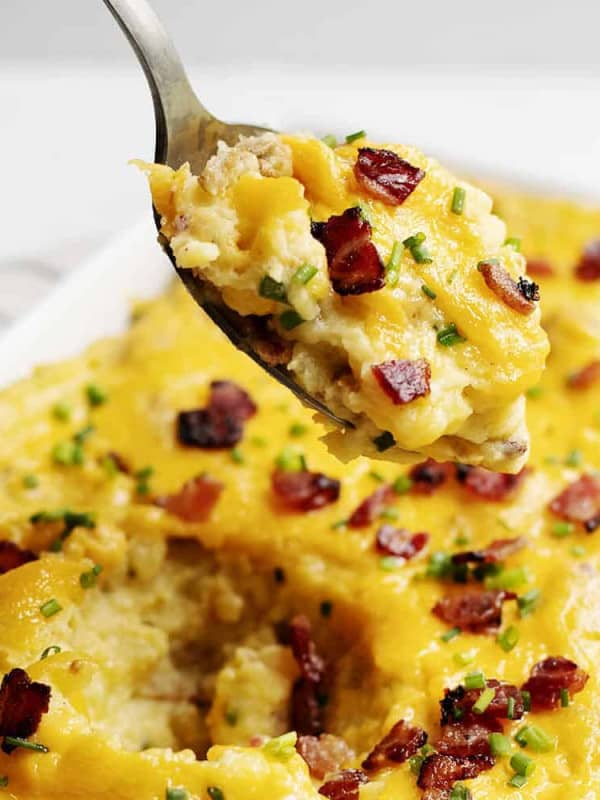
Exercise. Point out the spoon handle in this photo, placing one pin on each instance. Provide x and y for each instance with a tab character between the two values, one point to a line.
175	104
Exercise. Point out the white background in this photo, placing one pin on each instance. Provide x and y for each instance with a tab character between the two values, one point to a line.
508	87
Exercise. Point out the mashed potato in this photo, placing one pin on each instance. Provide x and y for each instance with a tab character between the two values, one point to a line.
393	325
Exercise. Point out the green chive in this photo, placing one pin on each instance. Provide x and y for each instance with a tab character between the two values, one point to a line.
231	717
522	764
465	657
458	200
384	441
439	565
507	579
449	336
526	697
535	738
518	781
428	292
87	580
574	458
394	261
534	391
31	481
326	608
564	698
414	244
450	634
510	708
508	638
402	484
62	412
81	436
17	741
96	395
281	747
475	680
237	456
390	513
304	274
290	319
562	529
514	242
215	793
272	289
258	441
50	651
499	745
329	140
528	602
339	525
352	137
459	792
578	551
377	476
67	453
390	563
484	700
290	460
50	607
176	793
143	480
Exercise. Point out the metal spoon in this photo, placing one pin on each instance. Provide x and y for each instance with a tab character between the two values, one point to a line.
186	131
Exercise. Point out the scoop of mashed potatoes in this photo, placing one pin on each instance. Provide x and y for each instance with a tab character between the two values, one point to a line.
400	303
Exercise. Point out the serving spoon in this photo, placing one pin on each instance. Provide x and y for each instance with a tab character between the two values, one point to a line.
186	131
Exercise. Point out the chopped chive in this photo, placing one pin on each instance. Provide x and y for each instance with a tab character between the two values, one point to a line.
176	793
510	708
475	680
390	513
514	242
17	741
62	412
352	137
450	634
528	602
465	657
578	551
564	698
449	336
484	700
109	465
391	277
142	477
507	579
237	456
574	458
31	481
428	292
518	781
458	200
439	565
522	764
326	608
339	525
231	717
526	697
330	140
215	793
499	744
402	484
393	263
390	563
290	460
384	441
272	289
87	580
508	638
562	529
50	607
67	453
460	792
461	539
304	274
96	395
414	244
534	391
258	441
281	747
50	651
535	738
377	476
81	436
290	319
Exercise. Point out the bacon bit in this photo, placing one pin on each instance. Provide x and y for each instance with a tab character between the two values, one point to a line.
371	507
403	380
579	502
539	268
307	691
399	542
344	786
354	263
195	500
304	490
496	551
324	754
440	771
473	611
306	712
459	702
13	556
22	703
221	423
585	377
467	737
396	747
386	176
588	268
488	485
519	297
430	475
549	677
304	650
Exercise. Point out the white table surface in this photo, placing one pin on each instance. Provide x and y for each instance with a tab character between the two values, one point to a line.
67	134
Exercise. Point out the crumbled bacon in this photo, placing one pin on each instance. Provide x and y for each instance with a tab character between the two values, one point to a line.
580	502
221	423
401	743
304	490
371	507
324	754
539	267
386	176
304	649
354	263
22	704
13	556
585	377
430	475
518	296
548	678
403	380
306	714
488	485
496	551
195	500
306	711
474	611
440	771
457	703
467	737
399	542
344	785
588	268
